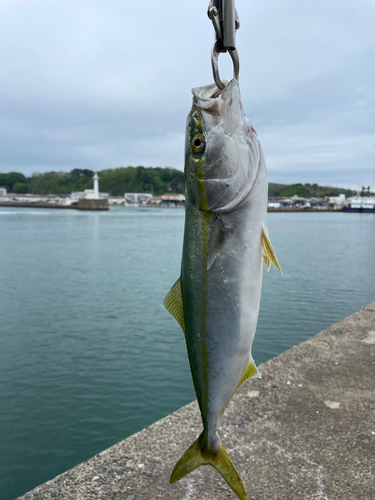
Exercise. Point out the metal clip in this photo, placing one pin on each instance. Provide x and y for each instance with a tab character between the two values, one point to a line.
224	17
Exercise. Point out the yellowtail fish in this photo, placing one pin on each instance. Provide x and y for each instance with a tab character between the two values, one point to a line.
216	300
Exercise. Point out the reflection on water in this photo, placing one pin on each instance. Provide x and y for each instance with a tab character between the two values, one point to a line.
88	356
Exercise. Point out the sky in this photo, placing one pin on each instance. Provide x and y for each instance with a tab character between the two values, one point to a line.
93	84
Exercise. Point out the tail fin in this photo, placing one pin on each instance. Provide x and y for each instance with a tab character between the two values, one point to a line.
195	456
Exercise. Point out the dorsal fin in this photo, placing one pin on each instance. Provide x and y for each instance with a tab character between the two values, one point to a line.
269	254
174	305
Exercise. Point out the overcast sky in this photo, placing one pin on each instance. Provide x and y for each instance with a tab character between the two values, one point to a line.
100	84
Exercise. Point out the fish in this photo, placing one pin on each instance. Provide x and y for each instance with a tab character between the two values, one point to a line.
216	300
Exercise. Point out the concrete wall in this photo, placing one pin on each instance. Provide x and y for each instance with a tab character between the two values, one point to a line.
34	205
93	204
305	431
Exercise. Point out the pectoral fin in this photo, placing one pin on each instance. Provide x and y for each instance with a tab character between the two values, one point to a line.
269	254
174	305
216	241
267	261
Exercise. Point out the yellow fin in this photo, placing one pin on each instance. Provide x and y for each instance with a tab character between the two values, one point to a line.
269	252
267	261
174	305
220	460
251	371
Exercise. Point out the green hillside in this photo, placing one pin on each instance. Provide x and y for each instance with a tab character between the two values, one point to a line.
306	190
115	181
118	181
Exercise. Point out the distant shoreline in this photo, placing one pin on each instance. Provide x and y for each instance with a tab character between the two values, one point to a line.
70	207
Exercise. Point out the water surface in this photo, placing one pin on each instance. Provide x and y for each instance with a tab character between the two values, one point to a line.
88	356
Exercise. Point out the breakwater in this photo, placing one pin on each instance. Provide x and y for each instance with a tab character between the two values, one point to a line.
81	205
16	204
305	430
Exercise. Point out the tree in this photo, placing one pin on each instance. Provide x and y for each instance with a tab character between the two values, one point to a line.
9	180
20	187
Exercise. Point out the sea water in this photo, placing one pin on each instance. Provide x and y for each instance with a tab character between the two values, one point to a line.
87	354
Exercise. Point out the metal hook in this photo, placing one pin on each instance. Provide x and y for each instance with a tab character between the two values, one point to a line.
215	52
224	17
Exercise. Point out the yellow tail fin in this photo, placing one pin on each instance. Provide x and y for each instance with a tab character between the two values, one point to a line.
195	456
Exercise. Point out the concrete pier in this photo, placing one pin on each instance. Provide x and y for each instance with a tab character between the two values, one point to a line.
35	205
92	204
305	431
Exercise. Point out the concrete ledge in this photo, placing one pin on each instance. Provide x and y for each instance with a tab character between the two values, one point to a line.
35	205
93	204
306	430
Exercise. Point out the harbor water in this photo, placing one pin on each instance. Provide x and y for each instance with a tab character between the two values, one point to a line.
88	356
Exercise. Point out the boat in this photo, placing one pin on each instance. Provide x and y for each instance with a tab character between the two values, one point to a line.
363	202
360	203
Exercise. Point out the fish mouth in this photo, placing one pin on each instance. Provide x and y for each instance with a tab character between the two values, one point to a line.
207	92
207	100
216	105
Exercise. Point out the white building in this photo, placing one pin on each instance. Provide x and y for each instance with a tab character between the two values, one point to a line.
136	198
3	191
337	201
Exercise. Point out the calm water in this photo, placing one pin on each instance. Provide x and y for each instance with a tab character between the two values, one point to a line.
87	354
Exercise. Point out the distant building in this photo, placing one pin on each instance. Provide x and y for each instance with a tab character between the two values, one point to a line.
3	191
274	204
298	200
90	194
116	200
136	198
336	201
173	200
315	202
154	201
287	202
87	194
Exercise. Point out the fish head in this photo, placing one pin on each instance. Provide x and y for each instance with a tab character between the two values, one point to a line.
222	151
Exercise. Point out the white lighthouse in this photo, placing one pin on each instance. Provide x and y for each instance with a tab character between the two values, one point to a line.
96	186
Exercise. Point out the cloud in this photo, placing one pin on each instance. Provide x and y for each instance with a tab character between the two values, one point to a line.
99	85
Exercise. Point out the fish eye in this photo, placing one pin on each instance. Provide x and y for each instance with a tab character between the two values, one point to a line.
197	142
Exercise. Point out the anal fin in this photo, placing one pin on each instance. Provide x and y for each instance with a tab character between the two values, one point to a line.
250	372
174	304
269	254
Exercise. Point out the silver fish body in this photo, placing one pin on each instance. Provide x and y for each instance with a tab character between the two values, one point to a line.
217	298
